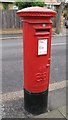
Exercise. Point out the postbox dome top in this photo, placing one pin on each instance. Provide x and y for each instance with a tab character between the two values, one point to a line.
36	11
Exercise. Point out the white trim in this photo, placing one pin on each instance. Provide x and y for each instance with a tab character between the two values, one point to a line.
66	1
7	1
52	3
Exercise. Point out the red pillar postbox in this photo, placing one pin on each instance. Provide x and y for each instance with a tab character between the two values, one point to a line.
37	31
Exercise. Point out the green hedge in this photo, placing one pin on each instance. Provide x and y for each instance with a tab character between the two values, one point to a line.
22	4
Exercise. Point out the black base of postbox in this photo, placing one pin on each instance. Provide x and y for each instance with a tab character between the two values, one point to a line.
35	103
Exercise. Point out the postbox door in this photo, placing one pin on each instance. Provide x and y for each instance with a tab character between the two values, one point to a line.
41	77
42	40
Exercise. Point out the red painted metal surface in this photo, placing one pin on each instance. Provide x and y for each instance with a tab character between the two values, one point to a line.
36	67
36	11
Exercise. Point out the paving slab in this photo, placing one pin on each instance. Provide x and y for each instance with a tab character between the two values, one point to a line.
52	114
63	111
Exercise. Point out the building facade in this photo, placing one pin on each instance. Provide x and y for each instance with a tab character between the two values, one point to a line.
7	4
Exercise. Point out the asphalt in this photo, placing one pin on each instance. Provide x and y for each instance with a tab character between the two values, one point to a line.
16	106
12	63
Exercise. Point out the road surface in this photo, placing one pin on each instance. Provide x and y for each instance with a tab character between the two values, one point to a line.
12	63
12	75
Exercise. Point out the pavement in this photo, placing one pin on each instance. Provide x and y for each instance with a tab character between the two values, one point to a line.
57	113
14	108
15	105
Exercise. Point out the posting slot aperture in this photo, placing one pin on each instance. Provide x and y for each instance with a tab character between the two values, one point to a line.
42	30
